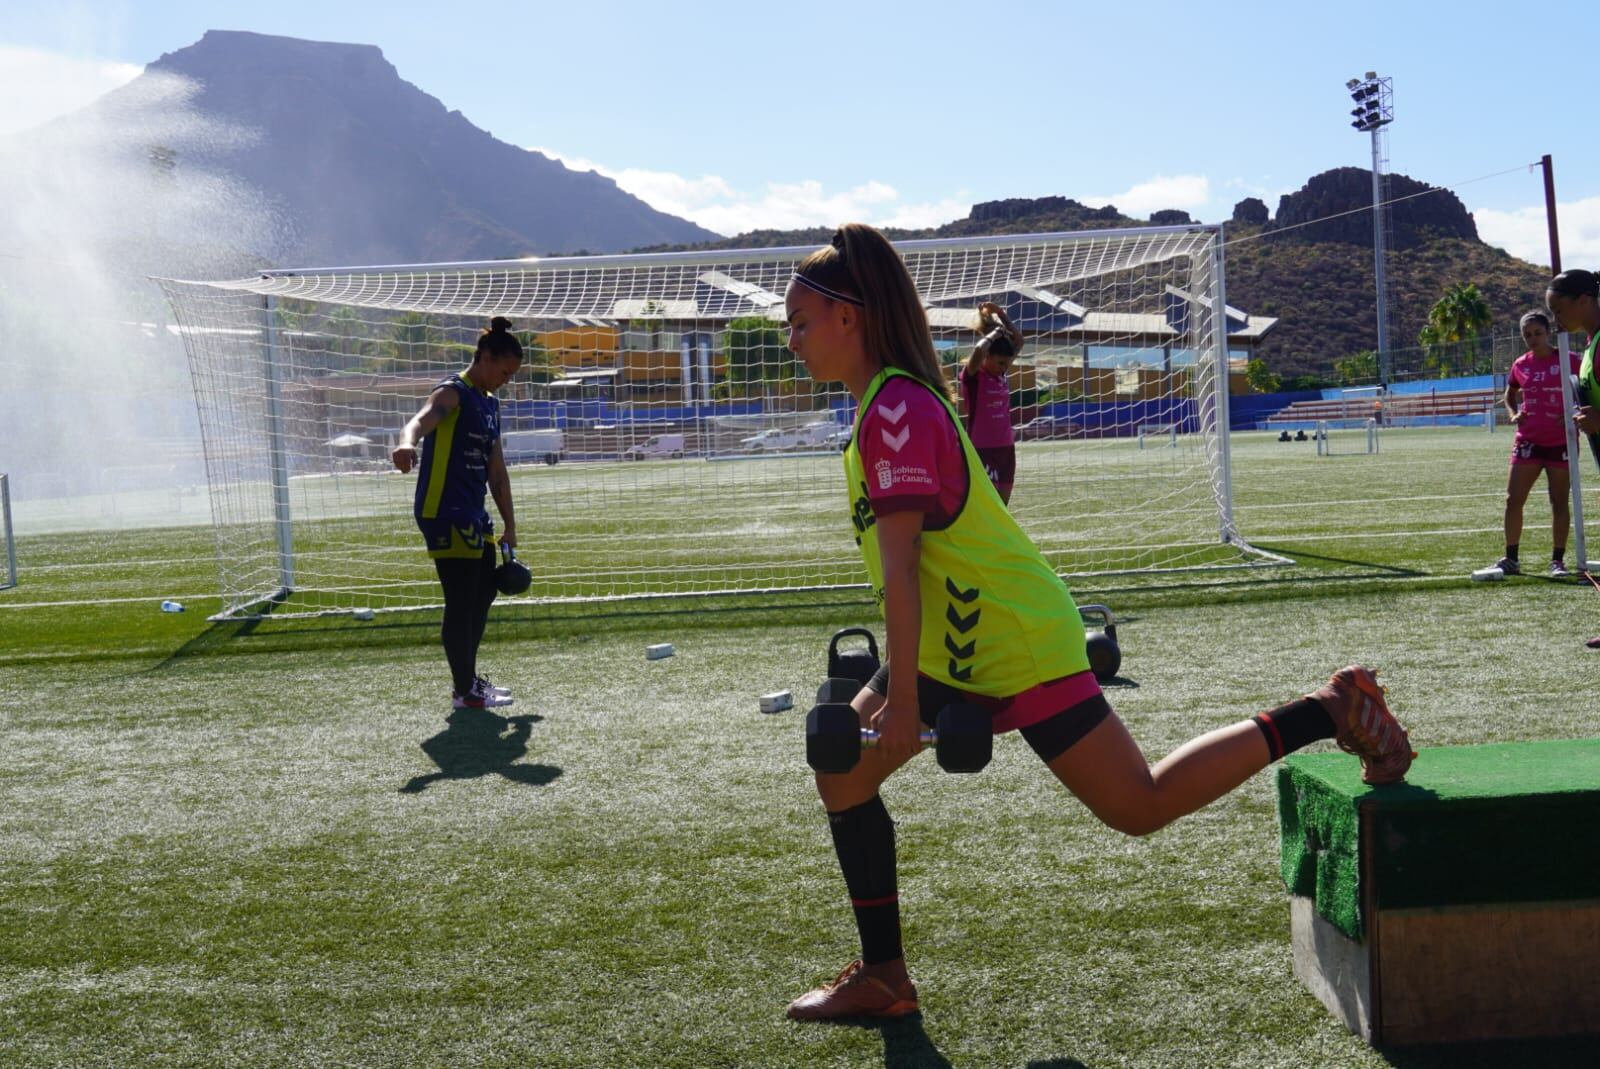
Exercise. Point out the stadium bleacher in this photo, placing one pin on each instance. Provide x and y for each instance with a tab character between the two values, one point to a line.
1397	409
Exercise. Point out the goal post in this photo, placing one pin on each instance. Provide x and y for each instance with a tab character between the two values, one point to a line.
1169	431
1348	437
642	368
8	578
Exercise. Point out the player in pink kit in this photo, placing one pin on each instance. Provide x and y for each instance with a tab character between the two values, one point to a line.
1533	402
986	396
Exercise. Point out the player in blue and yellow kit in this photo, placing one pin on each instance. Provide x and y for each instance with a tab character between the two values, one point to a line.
454	442
944	555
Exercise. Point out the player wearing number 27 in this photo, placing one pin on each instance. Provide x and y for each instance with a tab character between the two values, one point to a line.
973	613
1534	405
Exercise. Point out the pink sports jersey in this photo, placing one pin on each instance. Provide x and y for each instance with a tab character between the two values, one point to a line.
912	454
1544	416
986	407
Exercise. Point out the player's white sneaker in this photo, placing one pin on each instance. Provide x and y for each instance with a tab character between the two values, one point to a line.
479	698
491	688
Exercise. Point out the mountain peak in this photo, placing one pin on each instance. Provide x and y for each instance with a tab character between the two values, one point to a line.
223	46
366	167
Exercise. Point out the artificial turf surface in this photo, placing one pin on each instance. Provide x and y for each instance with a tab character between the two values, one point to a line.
265	844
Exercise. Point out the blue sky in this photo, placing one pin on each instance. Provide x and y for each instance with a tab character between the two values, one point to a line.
744	115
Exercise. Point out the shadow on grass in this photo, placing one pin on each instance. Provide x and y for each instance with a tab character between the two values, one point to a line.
905	1042
217	635
1379	571
478	743
271	632
1561	1053
1274	584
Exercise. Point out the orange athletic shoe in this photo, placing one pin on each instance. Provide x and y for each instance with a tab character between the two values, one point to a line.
859	991
1364	726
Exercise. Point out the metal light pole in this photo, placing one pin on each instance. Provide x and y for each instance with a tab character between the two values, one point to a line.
1374	98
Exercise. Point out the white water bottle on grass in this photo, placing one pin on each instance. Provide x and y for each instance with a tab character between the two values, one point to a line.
172	606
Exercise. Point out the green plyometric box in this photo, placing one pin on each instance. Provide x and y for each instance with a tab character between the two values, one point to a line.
1461	904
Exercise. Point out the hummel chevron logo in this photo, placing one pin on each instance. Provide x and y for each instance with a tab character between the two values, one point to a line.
962	624
895	441
960	653
960	675
964	596
892	414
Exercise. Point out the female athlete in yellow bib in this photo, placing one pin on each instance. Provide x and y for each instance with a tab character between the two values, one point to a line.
974	613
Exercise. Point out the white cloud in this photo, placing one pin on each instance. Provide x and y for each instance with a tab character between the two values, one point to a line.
1183	191
717	205
1525	234
37	86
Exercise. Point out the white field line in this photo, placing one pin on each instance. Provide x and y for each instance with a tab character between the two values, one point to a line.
149	599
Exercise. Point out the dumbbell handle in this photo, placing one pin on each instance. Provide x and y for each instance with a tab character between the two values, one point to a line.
927	738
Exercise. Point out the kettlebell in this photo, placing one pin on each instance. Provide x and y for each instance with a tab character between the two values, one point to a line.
1105	656
857	664
512	577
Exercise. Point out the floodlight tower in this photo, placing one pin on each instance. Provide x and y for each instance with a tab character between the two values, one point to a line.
1374	99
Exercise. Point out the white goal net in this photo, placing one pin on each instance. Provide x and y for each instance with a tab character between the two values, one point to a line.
664	441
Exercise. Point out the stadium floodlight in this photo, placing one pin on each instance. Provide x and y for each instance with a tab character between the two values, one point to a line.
687	349
1374	97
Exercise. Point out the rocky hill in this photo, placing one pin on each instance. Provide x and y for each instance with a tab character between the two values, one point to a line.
1310	265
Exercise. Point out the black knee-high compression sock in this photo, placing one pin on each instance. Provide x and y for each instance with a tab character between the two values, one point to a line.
863	837
458	578
1294	726
485	594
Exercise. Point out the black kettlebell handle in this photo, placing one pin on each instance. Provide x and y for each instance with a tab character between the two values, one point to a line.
833	645
1104	613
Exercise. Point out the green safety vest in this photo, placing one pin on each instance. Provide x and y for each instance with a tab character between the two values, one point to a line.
1589	389
996	619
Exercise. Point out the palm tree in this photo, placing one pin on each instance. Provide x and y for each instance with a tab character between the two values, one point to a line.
1459	319
413	337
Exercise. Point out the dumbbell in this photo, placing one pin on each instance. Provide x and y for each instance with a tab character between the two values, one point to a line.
838	691
963	738
1105	656
856	664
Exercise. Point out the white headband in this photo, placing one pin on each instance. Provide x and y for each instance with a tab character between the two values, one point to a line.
818	287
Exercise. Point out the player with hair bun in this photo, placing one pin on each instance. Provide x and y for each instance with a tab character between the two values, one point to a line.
973	613
454	443
986	396
1534	406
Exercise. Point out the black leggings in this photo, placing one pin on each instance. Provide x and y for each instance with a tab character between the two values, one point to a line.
469	590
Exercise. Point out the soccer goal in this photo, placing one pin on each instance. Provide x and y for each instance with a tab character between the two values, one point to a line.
648	367
1345	438
8	578
1169	431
